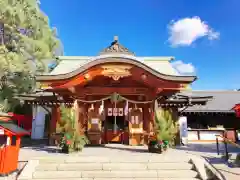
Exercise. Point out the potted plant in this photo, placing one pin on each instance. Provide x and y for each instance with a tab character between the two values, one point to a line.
165	130
73	139
65	143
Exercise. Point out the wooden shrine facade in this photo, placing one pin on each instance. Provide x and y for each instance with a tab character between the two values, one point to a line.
115	94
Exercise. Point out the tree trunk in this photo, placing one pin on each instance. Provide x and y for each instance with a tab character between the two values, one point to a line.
1	33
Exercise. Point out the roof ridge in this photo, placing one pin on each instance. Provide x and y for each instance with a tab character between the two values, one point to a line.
221	90
74	57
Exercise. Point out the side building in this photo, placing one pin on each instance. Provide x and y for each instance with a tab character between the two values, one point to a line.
213	118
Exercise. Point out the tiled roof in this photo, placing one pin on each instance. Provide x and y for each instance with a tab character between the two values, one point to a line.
68	63
222	101
16	130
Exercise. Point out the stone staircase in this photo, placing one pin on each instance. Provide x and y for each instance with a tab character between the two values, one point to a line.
115	167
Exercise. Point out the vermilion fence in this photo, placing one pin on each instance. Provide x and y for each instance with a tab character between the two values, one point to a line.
8	159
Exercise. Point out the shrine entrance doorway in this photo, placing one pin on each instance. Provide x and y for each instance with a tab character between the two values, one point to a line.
115	124
115	127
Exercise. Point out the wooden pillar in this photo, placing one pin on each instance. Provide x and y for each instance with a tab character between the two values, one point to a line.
175	118
151	118
53	123
81	117
94	125
146	122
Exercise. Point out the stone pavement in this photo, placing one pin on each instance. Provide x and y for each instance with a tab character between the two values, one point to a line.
208	151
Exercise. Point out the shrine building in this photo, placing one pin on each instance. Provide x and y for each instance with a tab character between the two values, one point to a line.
116	93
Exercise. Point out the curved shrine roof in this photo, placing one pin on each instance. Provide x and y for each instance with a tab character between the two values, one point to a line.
159	66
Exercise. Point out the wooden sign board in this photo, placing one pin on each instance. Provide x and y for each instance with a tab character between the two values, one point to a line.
94	120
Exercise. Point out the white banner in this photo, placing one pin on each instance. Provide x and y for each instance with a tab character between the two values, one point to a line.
120	111
110	113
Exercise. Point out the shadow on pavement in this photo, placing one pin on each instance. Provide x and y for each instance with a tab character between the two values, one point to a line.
125	148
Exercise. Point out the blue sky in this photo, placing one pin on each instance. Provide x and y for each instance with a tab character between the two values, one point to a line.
211	43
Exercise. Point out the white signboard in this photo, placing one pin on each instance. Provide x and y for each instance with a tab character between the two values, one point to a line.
94	120
183	126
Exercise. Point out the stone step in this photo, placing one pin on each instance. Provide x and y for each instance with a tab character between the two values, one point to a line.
127	179
95	159
113	166
116	174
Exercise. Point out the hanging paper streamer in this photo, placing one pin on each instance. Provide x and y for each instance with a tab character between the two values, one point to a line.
126	109
101	108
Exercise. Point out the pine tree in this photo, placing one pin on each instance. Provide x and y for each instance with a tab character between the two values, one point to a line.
165	127
26	39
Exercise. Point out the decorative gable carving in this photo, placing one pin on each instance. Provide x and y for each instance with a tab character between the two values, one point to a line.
116	47
116	71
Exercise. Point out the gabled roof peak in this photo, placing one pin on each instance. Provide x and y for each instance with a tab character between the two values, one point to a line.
116	47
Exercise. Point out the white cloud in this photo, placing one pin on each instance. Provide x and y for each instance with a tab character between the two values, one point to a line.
187	30
183	68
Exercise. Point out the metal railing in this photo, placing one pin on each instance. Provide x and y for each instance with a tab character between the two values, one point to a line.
226	141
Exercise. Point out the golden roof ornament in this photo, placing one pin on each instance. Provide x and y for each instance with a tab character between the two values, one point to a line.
116	47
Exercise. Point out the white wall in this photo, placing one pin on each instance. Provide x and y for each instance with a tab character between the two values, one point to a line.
38	122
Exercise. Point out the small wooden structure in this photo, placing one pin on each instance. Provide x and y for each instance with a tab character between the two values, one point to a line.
10	137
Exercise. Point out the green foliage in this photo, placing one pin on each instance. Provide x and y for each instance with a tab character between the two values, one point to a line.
72	137
165	126
26	43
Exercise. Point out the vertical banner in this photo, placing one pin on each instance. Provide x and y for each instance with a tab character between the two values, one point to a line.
183	129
